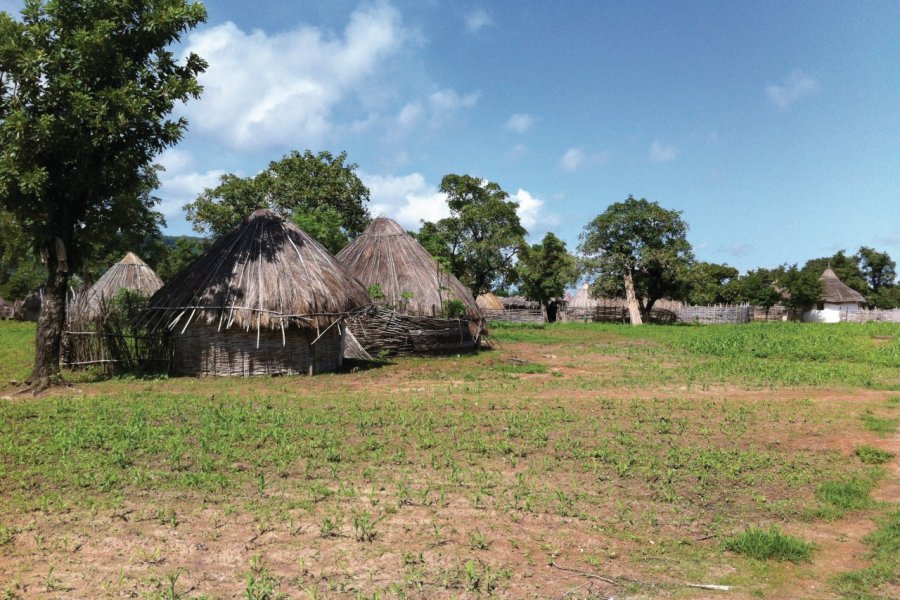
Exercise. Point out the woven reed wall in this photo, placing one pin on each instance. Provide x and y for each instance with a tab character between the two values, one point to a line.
871	315
390	333
612	311
203	350
716	314
516	315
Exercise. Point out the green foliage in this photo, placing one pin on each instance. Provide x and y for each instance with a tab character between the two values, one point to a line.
545	270
88	87
759	288
770	544
845	267
261	584
320	192
710	283
181	251
482	236
848	494
878	269
376	291
885	568
871	455
453	309
879	425
803	286
643	239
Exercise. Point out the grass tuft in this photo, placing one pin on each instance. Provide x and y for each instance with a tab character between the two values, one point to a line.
770	544
850	494
872	455
879	425
885	567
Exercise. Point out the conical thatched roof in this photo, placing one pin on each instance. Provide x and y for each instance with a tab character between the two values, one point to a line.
519	302
130	273
265	273
834	290
488	301
583	298
387	256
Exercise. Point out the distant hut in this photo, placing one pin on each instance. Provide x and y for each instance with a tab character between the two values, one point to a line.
130	273
837	300
6	310
423	307
29	308
264	299
96	334
510	308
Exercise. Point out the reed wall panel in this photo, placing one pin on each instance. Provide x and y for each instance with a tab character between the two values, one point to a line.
203	350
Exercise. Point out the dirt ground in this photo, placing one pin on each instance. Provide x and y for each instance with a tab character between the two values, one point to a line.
181	544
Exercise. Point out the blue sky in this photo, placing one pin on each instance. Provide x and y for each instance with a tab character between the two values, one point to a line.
773	126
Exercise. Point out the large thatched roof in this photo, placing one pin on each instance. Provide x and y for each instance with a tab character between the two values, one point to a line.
387	256
834	290
265	273
130	273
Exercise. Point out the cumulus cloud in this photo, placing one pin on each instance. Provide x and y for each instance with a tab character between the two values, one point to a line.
477	20
408	199
180	184
433	113
266	90
792	88
519	123
576	158
532	213
662	153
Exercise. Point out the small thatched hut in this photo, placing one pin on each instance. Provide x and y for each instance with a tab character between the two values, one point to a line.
130	273
265	298
836	301
6	310
416	295
511	308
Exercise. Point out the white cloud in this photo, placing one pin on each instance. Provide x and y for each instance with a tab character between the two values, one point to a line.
662	153
180	183
792	88
576	158
477	20
573	159
531	213
519	123
408	199
267	90
517	151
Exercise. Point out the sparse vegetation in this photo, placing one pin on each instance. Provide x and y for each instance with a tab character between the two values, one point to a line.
770	544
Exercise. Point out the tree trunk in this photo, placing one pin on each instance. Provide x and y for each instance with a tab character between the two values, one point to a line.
634	311
50	324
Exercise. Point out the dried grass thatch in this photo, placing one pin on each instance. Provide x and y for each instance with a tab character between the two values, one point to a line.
130	273
267	273
488	301
519	303
836	291
410	278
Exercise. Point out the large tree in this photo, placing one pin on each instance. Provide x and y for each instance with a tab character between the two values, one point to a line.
86	90
638	248
878	269
320	192
480	239
845	266
711	283
545	270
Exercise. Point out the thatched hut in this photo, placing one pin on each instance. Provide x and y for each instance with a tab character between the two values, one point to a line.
418	298
6	310
836	301
264	299
29	308
510	308
130	273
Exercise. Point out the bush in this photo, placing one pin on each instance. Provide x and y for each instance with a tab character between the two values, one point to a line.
770	544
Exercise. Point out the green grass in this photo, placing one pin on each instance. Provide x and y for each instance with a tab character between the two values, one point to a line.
885	568
770	544
881	426
848	494
872	455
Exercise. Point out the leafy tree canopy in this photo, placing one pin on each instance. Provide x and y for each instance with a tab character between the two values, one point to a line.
878	269
711	283
86	92
480	239
545	270
320	192
640	240
845	267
